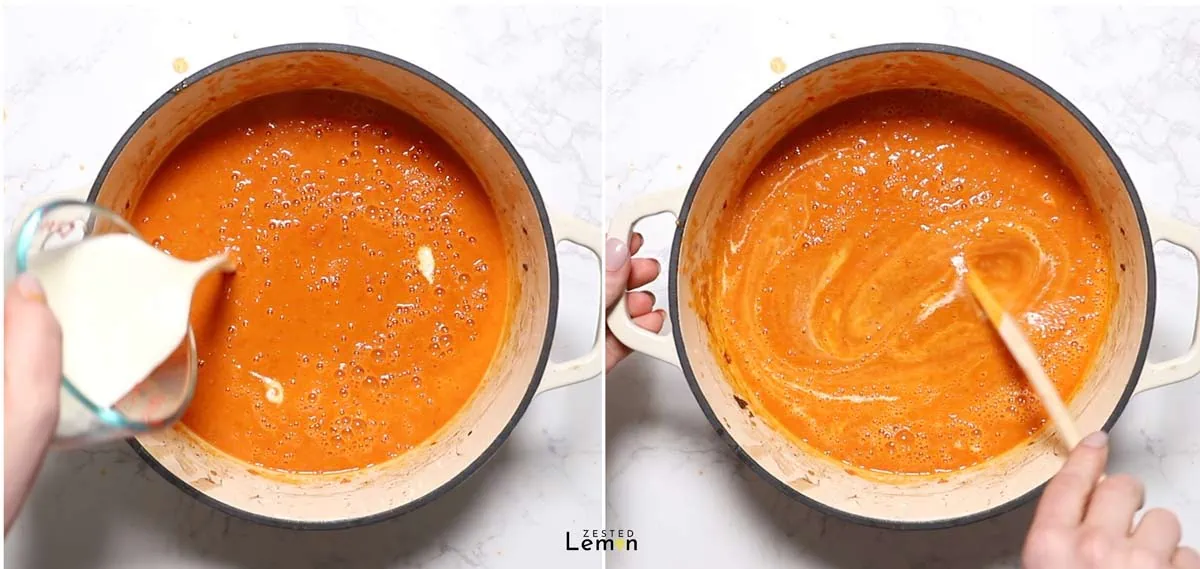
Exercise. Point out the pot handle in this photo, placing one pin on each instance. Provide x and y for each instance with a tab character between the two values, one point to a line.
638	339
1171	230
591	364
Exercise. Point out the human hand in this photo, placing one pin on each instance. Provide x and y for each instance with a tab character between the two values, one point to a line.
1085	522
621	274
32	375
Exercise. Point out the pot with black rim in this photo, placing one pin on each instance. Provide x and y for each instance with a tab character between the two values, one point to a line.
1005	481
521	367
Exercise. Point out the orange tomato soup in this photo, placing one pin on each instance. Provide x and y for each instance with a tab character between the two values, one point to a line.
330	201
835	294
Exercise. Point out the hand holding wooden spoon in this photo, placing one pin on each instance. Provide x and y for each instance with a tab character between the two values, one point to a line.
1085	520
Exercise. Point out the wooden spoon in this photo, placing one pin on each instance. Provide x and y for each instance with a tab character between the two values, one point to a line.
1023	352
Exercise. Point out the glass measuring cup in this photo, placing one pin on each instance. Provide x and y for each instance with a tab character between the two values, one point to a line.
161	398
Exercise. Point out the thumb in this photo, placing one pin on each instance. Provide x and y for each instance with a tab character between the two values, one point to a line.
616	270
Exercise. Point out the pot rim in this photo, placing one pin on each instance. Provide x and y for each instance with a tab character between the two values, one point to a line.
681	226
543	217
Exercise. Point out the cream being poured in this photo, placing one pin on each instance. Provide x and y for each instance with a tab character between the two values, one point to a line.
123	308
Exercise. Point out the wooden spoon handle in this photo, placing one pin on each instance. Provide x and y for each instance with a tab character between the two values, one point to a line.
1022	351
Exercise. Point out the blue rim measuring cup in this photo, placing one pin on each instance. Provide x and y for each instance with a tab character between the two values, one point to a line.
162	397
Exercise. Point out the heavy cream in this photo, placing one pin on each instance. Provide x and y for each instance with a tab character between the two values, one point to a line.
123	307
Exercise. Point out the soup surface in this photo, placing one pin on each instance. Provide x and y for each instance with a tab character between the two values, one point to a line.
372	287
835	291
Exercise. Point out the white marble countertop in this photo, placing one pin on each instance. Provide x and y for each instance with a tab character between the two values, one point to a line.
675	78
77	77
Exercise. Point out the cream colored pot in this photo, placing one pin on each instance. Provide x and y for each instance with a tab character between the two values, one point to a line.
522	368
1008	480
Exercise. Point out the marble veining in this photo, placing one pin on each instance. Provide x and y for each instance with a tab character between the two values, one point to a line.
77	78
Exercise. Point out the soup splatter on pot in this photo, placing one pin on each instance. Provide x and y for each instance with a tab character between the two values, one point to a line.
373	284
835	294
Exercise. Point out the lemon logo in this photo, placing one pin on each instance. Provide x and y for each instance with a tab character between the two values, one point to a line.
602	540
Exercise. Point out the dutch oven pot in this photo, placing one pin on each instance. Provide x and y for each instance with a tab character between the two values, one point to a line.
521	368
1005	481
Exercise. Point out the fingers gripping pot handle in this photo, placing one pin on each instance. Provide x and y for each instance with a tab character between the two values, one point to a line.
638	339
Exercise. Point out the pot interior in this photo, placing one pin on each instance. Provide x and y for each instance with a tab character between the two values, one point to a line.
976	491
511	379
